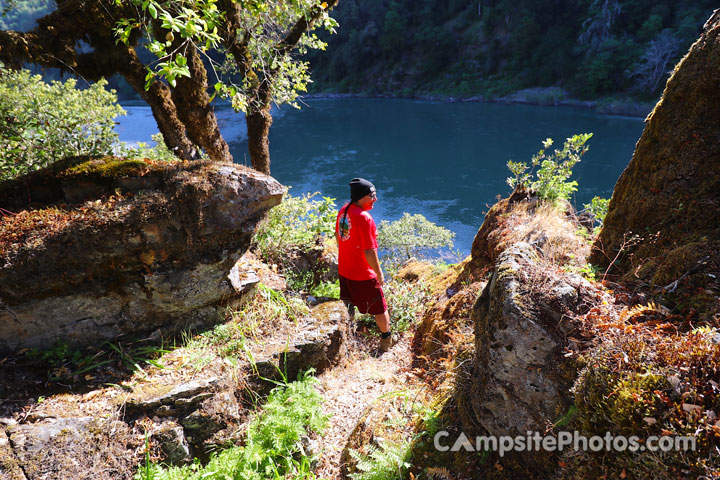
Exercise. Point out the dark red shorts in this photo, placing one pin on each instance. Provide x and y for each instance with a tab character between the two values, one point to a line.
366	295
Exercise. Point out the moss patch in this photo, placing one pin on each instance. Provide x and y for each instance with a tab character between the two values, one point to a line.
111	167
645	382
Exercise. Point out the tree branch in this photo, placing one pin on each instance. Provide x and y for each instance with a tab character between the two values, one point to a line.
287	44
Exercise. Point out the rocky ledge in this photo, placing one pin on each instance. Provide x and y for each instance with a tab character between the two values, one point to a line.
117	247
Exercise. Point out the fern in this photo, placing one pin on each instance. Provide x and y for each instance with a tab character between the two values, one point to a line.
273	438
640	310
387	462
439	473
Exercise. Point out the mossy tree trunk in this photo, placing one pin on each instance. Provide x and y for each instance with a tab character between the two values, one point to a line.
194	110
159	97
258	125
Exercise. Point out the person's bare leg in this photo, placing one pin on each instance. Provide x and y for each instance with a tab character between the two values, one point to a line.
383	321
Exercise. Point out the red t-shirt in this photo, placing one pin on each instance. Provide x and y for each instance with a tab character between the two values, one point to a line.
357	235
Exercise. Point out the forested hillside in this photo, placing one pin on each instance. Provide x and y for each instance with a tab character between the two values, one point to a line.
591	48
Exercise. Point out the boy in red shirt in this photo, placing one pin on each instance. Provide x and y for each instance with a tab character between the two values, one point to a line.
361	278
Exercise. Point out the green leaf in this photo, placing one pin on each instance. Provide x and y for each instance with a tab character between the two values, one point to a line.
152	10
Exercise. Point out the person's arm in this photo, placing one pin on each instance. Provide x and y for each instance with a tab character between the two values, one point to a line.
337	230
372	258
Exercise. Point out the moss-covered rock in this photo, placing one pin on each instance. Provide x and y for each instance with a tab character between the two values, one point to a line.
109	167
663	222
489	241
645	383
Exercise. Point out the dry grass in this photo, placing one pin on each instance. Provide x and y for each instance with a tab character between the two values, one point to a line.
551	231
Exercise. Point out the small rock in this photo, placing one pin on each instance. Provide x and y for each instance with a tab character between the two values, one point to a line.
174	396
174	444
566	294
675	382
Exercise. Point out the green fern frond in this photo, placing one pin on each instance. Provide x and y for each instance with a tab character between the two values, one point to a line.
389	461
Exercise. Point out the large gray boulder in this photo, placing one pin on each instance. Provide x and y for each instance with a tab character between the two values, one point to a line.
142	247
521	380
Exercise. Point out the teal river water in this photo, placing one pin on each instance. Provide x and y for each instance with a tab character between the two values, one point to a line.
446	161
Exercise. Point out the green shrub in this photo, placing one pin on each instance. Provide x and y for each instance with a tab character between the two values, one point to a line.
143	150
272	449
405	302
42	123
296	224
299	281
598	207
587	270
327	289
551	170
411	236
389	461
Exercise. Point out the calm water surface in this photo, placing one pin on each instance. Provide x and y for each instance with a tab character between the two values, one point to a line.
446	161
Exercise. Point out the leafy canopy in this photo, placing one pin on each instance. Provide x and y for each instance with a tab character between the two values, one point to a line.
251	44
41	123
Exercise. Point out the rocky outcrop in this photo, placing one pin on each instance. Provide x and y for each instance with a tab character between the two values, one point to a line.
521	380
157	250
189	417
183	414
319	340
663	223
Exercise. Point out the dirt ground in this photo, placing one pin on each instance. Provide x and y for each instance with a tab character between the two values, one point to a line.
350	388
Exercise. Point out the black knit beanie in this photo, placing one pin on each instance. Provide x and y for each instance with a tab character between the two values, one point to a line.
359	187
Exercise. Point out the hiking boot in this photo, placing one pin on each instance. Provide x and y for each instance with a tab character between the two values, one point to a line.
387	342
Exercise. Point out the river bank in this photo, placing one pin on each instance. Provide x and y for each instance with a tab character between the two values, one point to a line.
540	96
